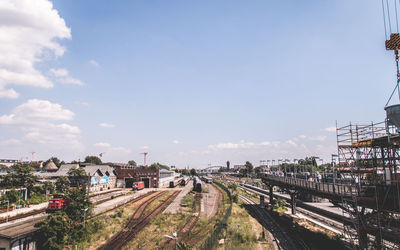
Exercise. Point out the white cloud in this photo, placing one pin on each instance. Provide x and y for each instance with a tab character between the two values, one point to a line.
229	145
121	149
94	63
59	72
144	147
29	33
8	93
10	142
102	144
34	111
175	142
291	143
106	125
330	129
82	103
62	75
317	138
43	122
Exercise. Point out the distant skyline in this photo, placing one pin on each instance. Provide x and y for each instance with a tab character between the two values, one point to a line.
191	83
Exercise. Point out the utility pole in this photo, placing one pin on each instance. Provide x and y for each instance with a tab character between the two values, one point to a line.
33	154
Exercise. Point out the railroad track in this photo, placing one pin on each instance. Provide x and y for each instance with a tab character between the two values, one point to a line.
283	238
194	237
138	221
39	211
124	204
24	215
186	228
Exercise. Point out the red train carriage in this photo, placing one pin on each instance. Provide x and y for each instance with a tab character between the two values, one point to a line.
56	203
138	185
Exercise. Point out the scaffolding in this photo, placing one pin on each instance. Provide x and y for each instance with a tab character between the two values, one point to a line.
369	158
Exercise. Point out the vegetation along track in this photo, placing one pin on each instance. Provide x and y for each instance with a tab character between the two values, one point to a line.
138	221
283	238
194	236
186	228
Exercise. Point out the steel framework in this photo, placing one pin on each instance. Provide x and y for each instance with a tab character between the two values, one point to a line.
369	156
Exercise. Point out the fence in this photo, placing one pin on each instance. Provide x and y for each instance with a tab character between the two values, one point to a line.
210	242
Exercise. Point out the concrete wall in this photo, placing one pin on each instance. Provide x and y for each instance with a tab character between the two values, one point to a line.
4	244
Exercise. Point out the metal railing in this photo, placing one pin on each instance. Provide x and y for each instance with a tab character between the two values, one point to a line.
330	188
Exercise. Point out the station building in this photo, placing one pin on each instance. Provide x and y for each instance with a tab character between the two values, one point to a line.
152	178
101	176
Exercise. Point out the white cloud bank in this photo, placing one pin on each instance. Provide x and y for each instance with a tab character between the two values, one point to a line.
44	122
107	145
62	75
30	32
102	144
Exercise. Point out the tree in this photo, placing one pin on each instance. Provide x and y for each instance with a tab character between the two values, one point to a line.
132	163
78	177
49	186
158	166
55	160
19	175
62	184
249	167
77	201
228	164
11	196
193	172
93	159
53	232
67	225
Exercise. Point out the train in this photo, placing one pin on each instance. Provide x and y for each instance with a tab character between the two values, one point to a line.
139	185
175	182
56	203
207	179
184	181
197	184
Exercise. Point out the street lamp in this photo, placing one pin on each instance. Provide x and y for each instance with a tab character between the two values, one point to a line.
8	207
84	217
173	237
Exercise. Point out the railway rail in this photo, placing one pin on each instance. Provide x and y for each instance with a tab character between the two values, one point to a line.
138	221
283	238
40	211
124	204
186	228
330	221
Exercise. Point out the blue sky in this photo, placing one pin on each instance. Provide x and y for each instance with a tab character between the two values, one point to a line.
192	83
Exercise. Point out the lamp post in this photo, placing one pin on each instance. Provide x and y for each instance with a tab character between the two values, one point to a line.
84	217
8	207
333	168
173	237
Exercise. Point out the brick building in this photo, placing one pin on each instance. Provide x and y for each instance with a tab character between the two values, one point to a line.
126	176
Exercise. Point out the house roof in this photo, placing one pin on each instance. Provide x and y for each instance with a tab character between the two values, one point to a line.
101	170
50	166
105	170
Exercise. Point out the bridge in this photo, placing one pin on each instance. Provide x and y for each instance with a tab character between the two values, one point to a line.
363	196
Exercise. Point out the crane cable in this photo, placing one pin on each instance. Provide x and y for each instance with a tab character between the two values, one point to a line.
384	18
388	13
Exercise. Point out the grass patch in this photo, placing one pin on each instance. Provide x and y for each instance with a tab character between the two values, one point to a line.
152	236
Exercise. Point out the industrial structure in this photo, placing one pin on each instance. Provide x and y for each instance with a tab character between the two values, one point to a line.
366	181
